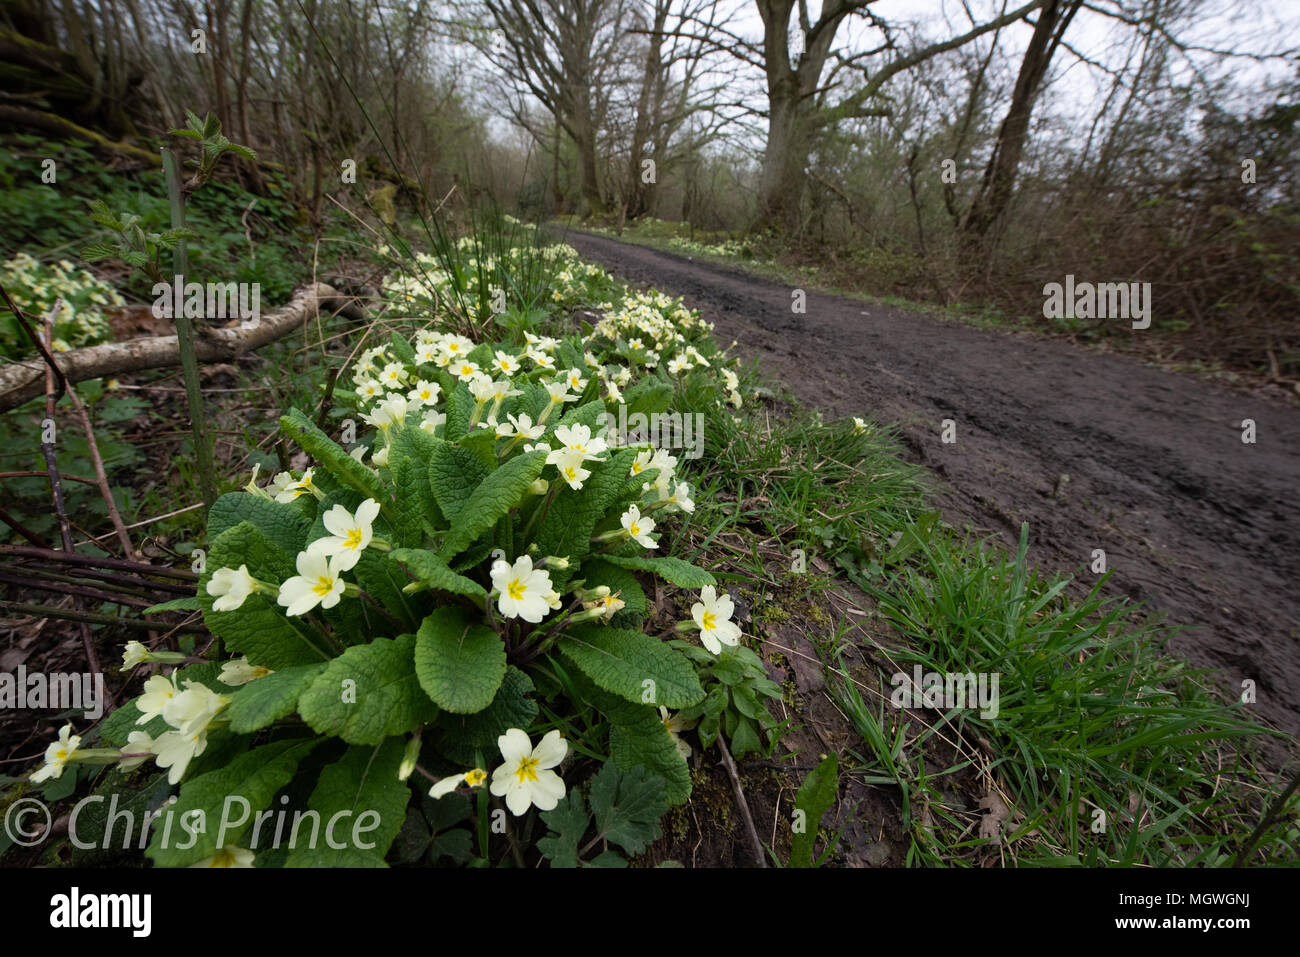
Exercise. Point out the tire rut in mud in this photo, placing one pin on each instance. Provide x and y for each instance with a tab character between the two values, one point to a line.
1196	524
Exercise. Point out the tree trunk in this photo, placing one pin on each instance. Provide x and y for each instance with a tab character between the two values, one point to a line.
1000	174
780	190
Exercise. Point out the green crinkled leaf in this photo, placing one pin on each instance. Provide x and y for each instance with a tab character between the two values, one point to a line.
628	806
500	491
815	796
459	405
388	696
566	530
454	473
461	735
639	739
255	776
587	414
460	662
410	450
483	444
280	522
189	603
270	698
259	627
680	573
402	349
624	662
433	572
363	780
647	397
332	458
597	572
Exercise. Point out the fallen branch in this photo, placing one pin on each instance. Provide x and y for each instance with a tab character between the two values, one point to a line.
22	381
755	844
66	129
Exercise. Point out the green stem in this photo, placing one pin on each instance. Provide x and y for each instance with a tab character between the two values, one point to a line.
185	339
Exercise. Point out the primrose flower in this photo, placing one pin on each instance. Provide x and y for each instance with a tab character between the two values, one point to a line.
158	692
426	354
676	725
573	378
506	363
432	419
58	754
457	346
465	371
318	582
591	361
241	671
523	589
559	392
390	412
228	857
678	364
569	465
525	779
638	527
474	778
858	425
139	749
578	440
230	586
302	486
392	375
521	426
541	360
135	654
193	708
424	393
713	615
681	497
350	534
482	388
280	482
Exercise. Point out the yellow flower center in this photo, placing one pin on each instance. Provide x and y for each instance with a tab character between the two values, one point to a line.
354	538
223	858
516	589
710	621
61	755
527	769
634	528
637	468
475	778
324	585
570	473
260	672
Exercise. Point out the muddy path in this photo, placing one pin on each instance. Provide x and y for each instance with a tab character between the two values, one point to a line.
1196	524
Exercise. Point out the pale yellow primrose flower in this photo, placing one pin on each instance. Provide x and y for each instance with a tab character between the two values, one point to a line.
230	586
241	671
228	857
318	582
57	756
525	779
713	614
350	534
638	527
523	589
473	778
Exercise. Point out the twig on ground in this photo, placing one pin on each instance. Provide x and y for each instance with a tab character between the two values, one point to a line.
754	843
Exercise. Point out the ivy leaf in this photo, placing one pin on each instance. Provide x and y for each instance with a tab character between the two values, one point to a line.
364	785
433	572
460	663
270	698
255	777
499	492
633	665
674	570
368	693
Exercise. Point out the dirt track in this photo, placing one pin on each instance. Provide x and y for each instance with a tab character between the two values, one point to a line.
1195	523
